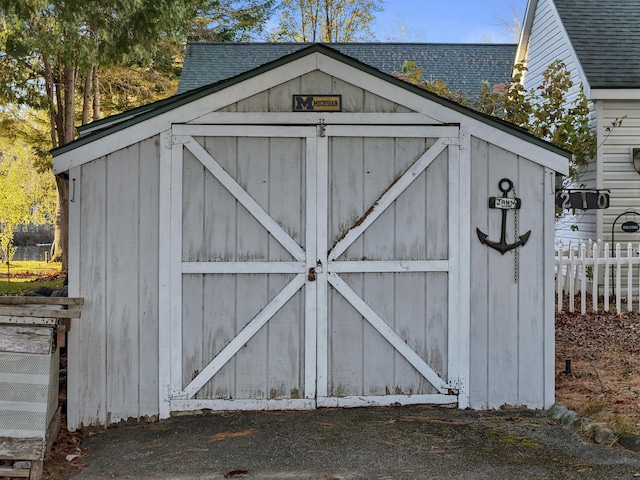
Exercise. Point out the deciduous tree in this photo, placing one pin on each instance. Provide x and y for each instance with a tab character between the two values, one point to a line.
326	20
53	52
544	111
26	195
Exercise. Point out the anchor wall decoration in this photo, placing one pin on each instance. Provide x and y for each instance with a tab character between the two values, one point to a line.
504	203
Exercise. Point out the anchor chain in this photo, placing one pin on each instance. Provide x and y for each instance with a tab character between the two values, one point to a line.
516	253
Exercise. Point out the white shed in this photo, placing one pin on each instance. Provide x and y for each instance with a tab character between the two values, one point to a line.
308	234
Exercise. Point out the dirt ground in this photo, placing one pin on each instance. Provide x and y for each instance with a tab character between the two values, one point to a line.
603	383
604	352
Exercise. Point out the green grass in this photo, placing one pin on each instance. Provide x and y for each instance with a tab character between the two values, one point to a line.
21	277
20	288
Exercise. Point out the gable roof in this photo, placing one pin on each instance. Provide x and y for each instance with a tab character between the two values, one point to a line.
605	35
460	66
66	157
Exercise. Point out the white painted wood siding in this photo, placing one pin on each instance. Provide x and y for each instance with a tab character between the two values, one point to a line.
123	233
617	167
216	307
361	361
510	336
279	99
114	371
548	42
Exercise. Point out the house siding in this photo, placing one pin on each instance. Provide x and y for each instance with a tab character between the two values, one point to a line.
618	172
583	225
549	42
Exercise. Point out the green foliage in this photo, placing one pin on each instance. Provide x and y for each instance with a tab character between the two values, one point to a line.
110	55
231	21
544	111
26	195
326	20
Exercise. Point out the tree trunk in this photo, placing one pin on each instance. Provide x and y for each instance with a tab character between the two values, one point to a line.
96	94
49	86
61	236
61	232
86	98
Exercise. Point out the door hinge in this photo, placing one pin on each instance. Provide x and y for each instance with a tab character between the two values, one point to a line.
180	139
177	395
454	387
320	128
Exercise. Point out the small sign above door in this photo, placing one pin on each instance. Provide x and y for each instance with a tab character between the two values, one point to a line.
317	103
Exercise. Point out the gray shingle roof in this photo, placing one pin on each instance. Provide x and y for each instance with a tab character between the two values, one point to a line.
606	37
461	66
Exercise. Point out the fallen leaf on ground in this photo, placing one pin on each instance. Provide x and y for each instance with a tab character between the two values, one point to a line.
225	435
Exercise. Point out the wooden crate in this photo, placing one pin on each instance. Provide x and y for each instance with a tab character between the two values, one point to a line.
31	334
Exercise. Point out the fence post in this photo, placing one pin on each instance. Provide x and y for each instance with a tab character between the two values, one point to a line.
630	278
594	271
583	280
559	277
606	277
571	277
617	286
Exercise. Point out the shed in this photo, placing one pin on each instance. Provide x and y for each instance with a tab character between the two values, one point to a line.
312	233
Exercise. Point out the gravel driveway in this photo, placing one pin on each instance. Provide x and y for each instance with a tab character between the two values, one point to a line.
364	443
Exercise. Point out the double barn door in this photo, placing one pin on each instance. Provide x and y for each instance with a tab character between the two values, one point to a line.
312	266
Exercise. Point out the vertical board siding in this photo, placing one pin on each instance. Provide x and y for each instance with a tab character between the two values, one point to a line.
378	365
502	298
118	258
507	328
148	278
220	218
533	279
362	362
73	335
479	346
122	237
280	98
115	373
216	307
92	335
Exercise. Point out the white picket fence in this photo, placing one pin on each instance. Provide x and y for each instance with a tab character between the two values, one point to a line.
590	267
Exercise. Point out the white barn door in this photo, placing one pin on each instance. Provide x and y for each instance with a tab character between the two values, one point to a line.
310	266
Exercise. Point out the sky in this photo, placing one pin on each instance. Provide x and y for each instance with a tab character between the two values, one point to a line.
448	21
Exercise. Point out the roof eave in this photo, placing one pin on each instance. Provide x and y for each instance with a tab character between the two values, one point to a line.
166	105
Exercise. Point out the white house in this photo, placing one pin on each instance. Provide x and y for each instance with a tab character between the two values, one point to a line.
310	233
599	41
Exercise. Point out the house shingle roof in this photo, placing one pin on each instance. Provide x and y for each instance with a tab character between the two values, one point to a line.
605	35
461	67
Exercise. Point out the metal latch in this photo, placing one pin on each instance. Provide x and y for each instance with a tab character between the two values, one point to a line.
320	128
